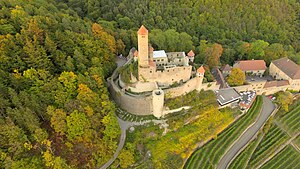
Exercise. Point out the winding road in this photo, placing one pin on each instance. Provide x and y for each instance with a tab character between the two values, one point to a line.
267	110
124	125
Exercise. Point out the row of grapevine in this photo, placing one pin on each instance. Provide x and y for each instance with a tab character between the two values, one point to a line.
270	143
209	155
297	141
291	121
287	158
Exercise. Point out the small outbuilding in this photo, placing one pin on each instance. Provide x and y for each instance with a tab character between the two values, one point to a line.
226	97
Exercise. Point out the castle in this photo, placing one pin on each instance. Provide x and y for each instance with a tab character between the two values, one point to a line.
159	74
162	75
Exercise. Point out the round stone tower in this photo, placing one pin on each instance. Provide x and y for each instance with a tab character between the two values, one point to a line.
158	102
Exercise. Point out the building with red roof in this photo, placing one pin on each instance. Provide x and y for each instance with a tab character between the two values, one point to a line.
255	67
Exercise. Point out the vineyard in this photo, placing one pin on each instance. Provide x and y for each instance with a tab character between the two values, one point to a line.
270	143
291	121
287	158
297	141
209	155
283	129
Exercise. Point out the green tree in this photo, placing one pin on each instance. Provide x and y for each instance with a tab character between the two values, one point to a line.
284	99
76	123
236	78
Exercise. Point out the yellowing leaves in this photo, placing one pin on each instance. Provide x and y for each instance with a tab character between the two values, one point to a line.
98	32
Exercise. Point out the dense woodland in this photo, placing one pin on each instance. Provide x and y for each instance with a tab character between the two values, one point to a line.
245	29
55	110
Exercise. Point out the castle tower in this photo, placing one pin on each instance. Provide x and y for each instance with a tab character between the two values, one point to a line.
200	76
158	102
143	60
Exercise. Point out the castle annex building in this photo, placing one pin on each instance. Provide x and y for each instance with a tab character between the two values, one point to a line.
285	69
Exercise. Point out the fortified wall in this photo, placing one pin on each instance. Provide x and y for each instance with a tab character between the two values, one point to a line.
139	105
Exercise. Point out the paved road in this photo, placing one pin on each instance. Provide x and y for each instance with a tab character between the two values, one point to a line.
268	108
123	125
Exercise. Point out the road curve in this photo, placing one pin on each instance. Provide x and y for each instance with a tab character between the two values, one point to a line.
123	126
267	109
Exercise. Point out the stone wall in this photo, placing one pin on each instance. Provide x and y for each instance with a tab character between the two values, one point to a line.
275	89
295	84
258	86
210	86
139	105
169	76
187	87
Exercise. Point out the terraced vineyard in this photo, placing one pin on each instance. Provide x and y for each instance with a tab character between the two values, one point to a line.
282	130
297	141
209	155
242	159
287	158
291	121
270	143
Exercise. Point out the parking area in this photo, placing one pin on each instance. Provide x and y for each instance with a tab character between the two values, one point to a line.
247	99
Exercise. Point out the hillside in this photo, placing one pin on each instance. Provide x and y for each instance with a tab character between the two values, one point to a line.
55	110
260	29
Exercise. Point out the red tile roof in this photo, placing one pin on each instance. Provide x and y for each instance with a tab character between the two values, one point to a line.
276	83
251	65
288	67
191	53
201	70
143	30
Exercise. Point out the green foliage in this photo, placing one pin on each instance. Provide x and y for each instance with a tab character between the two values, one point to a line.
52	69
290	121
284	99
127	70
274	135
289	157
236	78
169	150
76	124
269	144
261	23
192	99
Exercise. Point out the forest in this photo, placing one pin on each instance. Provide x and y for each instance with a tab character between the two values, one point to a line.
245	29
55	110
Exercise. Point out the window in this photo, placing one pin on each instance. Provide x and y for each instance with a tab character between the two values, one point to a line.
150	71
162	60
